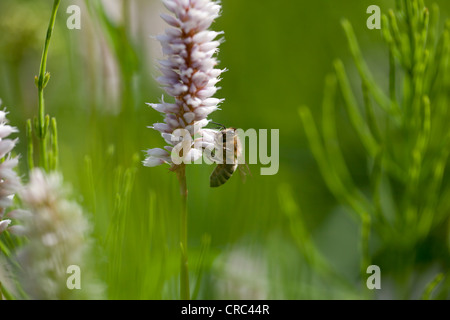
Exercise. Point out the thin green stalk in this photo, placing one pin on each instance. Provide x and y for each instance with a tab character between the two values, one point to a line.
332	179
91	183
365	239
43	145
5	293
351	104
184	276
206	243
41	82
410	23
358	123
365	74
427	295
55	148
304	241
392	78
30	145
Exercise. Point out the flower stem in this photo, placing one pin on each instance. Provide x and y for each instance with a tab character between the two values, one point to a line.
41	82
30	145
184	276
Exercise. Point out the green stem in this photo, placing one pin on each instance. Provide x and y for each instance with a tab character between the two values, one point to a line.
365	238
42	80
184	276
427	295
55	149
392	78
30	145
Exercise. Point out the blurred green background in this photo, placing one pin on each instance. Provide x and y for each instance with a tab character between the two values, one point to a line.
277	54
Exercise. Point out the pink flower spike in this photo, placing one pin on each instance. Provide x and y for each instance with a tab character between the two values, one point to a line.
189	75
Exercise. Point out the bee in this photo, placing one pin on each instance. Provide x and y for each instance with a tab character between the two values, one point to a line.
231	153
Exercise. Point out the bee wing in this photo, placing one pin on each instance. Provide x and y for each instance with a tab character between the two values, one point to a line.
244	171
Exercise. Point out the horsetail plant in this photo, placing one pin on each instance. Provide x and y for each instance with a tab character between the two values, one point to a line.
190	76
48	158
403	129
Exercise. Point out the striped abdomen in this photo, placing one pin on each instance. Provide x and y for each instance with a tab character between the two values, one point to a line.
221	174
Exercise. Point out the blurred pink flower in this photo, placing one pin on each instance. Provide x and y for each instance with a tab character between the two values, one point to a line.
9	180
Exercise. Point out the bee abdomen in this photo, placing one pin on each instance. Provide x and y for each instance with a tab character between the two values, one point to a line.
221	174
